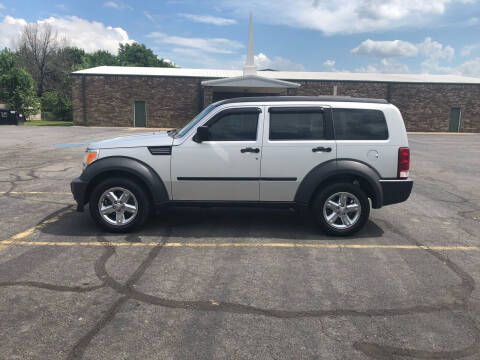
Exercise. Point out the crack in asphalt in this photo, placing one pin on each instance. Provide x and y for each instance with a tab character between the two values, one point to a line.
53	287
32	176
80	347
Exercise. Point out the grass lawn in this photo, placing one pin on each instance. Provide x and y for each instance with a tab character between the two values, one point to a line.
48	123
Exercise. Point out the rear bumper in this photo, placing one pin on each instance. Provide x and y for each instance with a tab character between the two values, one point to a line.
79	190
396	191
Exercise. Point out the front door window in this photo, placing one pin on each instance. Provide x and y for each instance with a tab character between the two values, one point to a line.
234	127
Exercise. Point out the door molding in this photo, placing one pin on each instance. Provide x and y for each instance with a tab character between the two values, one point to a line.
185	178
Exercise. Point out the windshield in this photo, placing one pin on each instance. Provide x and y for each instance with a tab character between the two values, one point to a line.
195	120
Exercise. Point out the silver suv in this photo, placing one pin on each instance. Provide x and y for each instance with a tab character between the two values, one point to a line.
334	156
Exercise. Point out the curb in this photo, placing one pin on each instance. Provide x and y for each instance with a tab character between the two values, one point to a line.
439	133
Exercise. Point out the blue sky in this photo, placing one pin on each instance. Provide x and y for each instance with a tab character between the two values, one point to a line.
393	36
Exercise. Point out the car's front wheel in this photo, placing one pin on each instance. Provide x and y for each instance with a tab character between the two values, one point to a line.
341	209
119	205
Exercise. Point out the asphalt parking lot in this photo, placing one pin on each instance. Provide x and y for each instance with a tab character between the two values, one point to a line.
236	283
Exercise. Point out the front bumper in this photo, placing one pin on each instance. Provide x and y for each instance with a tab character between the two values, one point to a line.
79	191
396	191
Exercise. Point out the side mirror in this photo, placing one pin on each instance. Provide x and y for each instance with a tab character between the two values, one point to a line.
202	134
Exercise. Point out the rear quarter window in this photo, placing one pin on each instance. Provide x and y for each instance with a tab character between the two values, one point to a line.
359	124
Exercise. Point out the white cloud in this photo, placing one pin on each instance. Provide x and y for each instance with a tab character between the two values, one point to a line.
10	30
148	15
435	50
385	49
277	63
471	67
329	64
434	53
88	35
209	45
468	68
433	66
344	16
208	19
112	4
116	5
389	66
467	50
399	48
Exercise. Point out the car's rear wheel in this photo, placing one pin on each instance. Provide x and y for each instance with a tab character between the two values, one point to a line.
119	205
341	209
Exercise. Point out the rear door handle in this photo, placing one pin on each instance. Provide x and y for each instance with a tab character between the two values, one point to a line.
322	149
249	149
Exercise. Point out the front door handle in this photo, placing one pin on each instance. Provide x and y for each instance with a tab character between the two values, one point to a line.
322	149
249	149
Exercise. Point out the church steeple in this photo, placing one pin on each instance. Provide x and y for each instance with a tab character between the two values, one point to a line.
250	68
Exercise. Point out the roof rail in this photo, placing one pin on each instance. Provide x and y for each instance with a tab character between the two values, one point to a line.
301	98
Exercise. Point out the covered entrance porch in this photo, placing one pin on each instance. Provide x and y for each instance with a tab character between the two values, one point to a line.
247	85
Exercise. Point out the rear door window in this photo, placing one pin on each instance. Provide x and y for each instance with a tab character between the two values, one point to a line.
359	124
296	125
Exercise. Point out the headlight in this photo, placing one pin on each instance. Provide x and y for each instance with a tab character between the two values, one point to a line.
90	156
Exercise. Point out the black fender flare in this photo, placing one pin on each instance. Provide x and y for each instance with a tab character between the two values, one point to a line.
129	165
337	167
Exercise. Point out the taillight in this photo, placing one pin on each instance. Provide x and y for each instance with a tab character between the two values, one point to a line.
403	162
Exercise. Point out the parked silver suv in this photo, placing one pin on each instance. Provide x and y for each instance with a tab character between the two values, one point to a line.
331	155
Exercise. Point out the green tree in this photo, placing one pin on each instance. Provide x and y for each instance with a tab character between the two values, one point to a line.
101	58
8	60
139	55
17	88
73	58
58	103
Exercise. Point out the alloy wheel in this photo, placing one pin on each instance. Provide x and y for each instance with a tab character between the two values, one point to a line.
342	210
118	206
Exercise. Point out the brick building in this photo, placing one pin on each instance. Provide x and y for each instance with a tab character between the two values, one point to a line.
170	97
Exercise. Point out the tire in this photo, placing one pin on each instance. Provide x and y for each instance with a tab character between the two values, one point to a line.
136	208
345	218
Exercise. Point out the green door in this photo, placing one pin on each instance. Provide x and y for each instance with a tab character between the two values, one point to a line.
140	114
454	120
